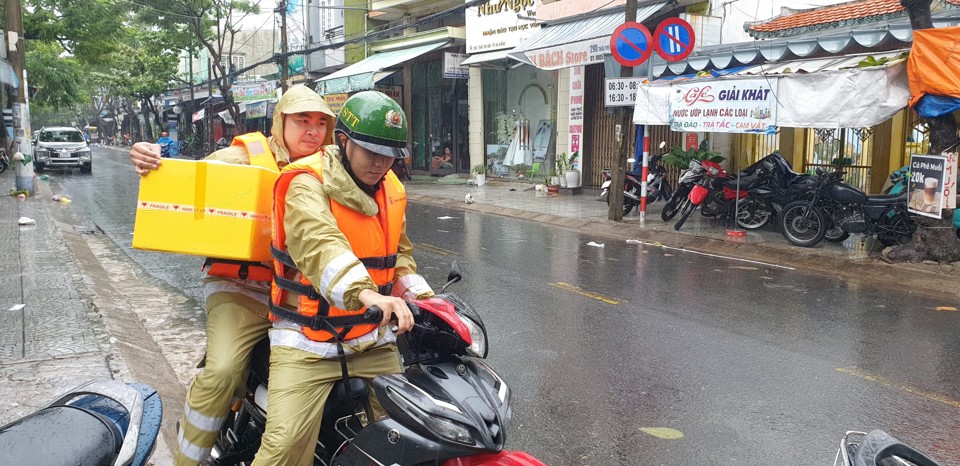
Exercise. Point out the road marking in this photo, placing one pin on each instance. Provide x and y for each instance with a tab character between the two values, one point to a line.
581	291
662	432
899	386
767	264
946	308
436	249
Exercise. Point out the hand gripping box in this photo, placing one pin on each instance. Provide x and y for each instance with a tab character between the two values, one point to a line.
206	208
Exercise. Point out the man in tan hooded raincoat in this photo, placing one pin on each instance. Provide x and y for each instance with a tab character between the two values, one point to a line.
237	308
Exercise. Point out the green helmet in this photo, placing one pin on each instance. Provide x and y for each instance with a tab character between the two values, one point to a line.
375	122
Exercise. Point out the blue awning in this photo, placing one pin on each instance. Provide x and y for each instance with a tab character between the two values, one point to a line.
7	75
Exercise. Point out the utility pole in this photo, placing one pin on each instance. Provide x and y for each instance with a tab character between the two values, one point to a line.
615	211
283	60
21	108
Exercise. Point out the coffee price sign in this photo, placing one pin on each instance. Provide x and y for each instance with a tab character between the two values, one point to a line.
926	183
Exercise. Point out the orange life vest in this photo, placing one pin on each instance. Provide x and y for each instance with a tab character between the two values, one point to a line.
258	150
374	240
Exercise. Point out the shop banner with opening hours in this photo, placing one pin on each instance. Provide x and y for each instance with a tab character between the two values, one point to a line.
925	187
733	106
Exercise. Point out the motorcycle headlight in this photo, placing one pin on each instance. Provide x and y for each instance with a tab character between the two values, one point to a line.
443	427
479	346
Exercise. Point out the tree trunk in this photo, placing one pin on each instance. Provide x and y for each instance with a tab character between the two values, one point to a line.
935	239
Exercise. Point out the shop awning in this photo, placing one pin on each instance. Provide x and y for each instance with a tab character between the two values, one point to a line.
895	35
577	42
854	96
365	73
7	74
486	57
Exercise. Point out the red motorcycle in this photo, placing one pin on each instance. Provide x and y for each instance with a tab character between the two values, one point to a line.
717	195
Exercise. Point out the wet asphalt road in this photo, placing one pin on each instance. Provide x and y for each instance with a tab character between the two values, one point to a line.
753	364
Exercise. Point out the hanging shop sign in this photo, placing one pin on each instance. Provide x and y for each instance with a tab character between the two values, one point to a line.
335	101
734	106
498	24
576	111
257	110
393	92
452	67
254	92
621	92
585	52
925	188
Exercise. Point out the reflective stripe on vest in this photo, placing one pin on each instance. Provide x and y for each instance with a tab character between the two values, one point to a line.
374	240
258	150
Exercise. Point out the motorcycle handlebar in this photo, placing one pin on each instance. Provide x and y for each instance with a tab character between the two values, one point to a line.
374	314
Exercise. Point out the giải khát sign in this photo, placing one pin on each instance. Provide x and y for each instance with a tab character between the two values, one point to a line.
734	106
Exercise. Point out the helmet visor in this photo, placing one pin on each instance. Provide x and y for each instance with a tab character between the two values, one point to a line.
388	151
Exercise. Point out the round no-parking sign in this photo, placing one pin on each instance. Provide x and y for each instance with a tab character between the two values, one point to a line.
674	39
631	44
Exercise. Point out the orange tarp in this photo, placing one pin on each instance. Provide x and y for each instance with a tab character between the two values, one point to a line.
934	63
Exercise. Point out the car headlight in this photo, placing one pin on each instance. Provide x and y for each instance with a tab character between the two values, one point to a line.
84	153
42	152
479	346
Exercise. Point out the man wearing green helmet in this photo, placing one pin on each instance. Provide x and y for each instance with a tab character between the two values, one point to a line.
340	246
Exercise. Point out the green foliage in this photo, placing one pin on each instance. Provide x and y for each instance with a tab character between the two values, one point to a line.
479	169
88	30
680	158
59	80
565	162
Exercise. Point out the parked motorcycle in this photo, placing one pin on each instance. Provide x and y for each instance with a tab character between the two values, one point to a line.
658	187
718	195
103	422
679	200
805	222
448	407
878	448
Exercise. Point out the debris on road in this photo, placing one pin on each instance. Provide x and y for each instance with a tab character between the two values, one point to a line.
26	221
596	245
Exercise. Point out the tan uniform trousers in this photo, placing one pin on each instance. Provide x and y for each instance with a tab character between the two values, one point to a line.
235	323
300	383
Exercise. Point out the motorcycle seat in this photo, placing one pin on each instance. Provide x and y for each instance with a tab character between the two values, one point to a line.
887	199
744	181
61	435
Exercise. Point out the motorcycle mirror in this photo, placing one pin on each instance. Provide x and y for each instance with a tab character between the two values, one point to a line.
819	171
453	277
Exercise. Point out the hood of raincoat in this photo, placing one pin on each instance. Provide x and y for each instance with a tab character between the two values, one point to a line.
298	99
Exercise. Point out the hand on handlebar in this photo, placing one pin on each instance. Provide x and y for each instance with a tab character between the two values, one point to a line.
393	308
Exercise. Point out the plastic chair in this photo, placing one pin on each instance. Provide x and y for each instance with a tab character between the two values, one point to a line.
534	169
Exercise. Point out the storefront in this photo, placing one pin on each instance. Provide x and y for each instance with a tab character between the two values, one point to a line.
512	104
420	72
571	57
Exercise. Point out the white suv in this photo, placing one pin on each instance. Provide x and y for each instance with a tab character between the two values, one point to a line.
62	146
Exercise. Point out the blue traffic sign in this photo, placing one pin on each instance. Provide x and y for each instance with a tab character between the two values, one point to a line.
631	44
674	39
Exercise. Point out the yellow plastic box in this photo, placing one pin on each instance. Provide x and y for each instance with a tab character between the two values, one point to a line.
202	208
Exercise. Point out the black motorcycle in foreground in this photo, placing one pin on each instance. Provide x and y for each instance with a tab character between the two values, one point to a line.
834	203
103	422
447	408
878	448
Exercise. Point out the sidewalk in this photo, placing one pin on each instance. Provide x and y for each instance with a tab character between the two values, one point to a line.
586	214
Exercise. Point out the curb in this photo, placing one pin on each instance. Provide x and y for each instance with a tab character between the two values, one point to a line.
921	279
